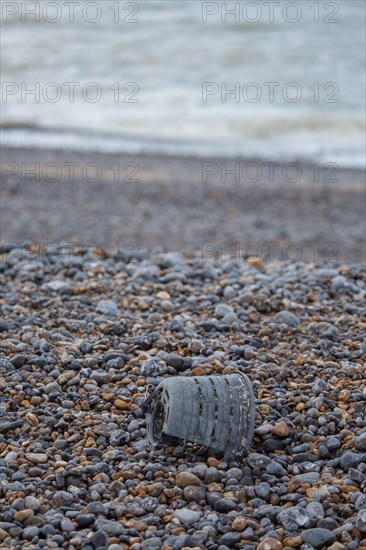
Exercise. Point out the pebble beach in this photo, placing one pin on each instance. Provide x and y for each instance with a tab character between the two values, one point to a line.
182	276
85	339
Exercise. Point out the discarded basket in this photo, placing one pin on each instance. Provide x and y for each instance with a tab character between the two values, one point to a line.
217	412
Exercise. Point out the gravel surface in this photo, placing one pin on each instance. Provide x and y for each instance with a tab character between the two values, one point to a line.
173	204
85	339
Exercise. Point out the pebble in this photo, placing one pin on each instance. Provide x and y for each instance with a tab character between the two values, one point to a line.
221	310
30	532
153	368
193	493
293	518
18	360
36	458
361	521
224	505
287	318
269	543
318	537
107	307
184	479
351	460
62	498
32	502
256	460
229	539
57	285
275	469
187	516
360	442
281	429
99	539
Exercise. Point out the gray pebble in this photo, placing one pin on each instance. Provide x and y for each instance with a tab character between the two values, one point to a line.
318	537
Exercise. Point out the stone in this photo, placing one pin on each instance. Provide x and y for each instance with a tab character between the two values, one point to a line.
263	490
269	543
360	442
308	477
184	479
230	319
315	509
23	515
212	475
119	437
153	368
351	460
107	307
281	429
57	285
18	360
10	457
333	444
121	404
287	318
85	520
186	515
275	469
229	292
294	518
6	427
229	539
62	498
30	532
174	360
246	298
256	460
36	458
32	502
318	537
224	505
67	526
221	310
361	521
239	523
111	528
99	539
192	493
360	503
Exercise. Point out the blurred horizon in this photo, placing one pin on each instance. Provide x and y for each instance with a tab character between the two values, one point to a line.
171	83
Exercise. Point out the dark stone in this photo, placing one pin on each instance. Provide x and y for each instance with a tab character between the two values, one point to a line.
318	537
351	460
84	520
99	539
273	444
18	360
224	505
229	539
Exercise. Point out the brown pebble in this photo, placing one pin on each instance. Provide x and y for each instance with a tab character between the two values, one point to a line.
269	544
22	515
240	523
198	371
184	479
292	542
121	404
281	429
211	461
256	262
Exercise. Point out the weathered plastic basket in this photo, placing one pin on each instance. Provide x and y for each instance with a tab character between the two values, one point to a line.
217	412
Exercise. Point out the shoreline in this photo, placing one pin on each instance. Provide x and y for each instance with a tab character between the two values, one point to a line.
181	203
